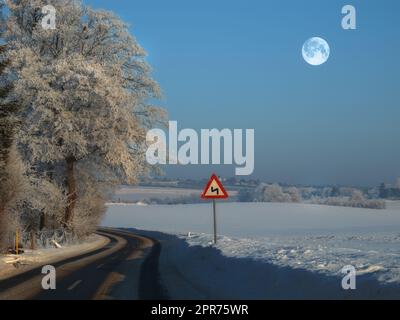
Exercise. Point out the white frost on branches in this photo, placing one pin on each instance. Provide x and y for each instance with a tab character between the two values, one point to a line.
84	88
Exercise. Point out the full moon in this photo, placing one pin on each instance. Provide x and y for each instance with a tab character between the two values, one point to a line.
316	51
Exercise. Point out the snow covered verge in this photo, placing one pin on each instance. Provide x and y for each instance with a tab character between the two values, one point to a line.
271	251
34	258
192	268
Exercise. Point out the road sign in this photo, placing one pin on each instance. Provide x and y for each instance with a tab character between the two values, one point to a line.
214	189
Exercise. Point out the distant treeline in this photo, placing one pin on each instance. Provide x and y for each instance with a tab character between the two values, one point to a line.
389	192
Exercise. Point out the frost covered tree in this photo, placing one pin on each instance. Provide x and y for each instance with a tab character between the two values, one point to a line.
84	88
274	193
22	196
12	180
13	186
357	199
294	194
271	193
398	183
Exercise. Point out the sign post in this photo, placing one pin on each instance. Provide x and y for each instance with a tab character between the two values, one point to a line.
215	221
214	190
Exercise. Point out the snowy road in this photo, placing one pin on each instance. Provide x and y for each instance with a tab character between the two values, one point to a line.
126	268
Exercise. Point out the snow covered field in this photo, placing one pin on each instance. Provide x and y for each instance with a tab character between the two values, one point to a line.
273	250
255	219
133	194
129	194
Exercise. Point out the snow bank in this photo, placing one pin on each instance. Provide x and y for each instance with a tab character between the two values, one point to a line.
271	250
191	268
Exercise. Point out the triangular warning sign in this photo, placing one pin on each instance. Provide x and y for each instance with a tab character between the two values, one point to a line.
214	189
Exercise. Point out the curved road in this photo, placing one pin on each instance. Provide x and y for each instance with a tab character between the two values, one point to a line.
125	268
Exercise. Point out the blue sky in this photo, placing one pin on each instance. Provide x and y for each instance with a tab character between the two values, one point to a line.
238	64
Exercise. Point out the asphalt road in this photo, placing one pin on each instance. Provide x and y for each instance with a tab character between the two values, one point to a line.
126	268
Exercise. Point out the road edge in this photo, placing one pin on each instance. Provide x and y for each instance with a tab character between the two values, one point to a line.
64	253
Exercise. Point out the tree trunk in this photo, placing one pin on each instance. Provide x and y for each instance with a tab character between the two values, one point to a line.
2	229
42	221
33	240
71	196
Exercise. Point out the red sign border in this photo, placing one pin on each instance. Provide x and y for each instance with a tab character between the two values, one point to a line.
214	177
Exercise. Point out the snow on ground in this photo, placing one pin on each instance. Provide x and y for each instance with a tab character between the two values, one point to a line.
254	219
271	250
34	258
138	193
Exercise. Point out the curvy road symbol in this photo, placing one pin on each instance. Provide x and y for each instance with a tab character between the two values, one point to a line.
215	190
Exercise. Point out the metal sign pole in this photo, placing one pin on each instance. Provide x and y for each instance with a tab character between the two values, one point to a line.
214	190
215	222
